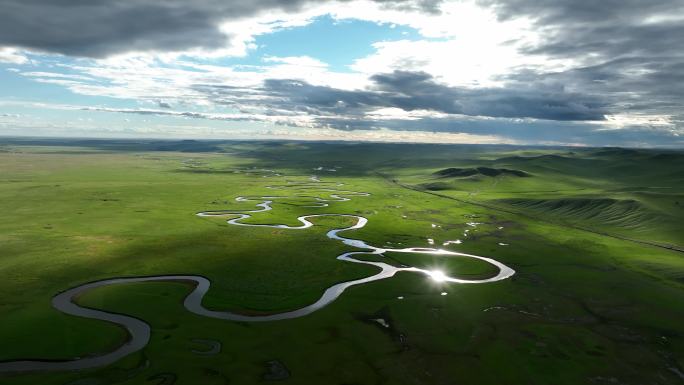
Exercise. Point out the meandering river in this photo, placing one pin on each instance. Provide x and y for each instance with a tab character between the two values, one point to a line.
139	330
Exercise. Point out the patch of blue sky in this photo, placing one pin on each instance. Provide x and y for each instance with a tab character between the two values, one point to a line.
335	42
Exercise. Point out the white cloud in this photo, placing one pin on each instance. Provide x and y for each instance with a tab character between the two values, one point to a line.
12	56
55	75
454	62
393	113
464	45
300	61
617	121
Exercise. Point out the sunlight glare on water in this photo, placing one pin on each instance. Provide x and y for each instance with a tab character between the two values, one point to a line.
438	276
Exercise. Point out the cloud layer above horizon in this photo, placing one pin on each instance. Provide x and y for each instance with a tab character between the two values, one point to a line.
575	72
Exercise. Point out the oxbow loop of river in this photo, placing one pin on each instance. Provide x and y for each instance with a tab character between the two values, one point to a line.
139	331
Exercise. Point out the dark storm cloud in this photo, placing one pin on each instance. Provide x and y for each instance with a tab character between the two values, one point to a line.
537	131
540	101
583	11
614	39
412	91
430	6
637	84
98	28
527	111
630	52
601	30
530	108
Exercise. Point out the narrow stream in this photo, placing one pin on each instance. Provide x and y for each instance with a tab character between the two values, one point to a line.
139	331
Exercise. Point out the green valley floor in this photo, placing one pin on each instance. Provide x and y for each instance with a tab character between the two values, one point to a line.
594	236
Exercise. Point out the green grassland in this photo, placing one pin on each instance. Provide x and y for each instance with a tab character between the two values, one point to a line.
595	236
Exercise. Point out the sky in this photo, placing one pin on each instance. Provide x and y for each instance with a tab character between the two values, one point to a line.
542	72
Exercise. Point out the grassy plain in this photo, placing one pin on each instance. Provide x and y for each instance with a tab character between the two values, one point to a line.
595	236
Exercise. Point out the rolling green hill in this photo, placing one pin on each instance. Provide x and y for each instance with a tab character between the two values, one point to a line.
605	211
486	171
